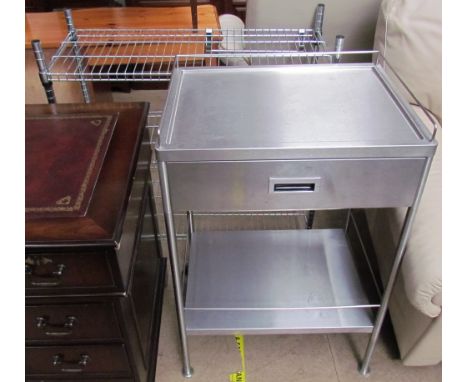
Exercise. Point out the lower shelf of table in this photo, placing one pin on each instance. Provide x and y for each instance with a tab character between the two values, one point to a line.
278	281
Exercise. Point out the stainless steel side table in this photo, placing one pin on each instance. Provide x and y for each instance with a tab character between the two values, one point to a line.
282	138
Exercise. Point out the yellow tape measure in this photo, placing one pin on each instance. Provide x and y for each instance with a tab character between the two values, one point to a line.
240	376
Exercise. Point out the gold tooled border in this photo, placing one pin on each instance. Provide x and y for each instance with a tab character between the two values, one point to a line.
84	185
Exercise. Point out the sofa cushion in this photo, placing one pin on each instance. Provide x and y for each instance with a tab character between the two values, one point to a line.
409	35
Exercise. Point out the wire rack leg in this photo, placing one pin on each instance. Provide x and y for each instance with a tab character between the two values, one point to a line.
41	65
76	52
318	18
404	236
187	371
208	40
339	43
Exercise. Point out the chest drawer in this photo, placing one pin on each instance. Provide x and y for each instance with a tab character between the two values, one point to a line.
81	380
69	322
77	361
294	184
51	273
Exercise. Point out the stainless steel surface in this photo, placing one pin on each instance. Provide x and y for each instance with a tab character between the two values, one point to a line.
254	275
343	183
249	139
208	220
435	124
399	253
279	322
296	111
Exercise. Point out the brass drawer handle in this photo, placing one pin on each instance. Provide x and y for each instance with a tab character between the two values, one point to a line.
42	322
49	279
71	366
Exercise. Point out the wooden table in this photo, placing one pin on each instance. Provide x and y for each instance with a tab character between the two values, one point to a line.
50	28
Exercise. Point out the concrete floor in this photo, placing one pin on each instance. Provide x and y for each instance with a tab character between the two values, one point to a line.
285	358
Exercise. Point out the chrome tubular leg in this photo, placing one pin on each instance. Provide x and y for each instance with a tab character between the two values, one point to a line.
318	18
310	219
41	65
76	52
191	224
174	261
339	42
208	40
404	236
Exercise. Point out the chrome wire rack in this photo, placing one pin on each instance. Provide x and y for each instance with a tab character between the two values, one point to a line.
90	55
151	54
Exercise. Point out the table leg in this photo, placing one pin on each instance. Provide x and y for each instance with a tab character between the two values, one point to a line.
174	261
404	236
193	7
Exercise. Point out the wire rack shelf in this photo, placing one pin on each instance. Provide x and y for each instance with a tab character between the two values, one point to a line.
151	54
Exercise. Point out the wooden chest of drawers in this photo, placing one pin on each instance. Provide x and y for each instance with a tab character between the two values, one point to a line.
94	280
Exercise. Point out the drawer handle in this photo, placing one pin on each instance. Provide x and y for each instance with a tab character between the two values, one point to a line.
292	187
51	279
67	326
71	366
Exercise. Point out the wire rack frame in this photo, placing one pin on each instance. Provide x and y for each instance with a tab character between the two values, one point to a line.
151	54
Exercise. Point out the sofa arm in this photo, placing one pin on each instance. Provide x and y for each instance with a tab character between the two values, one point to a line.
409	35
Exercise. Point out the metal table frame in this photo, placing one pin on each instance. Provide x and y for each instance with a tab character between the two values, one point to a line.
178	287
382	310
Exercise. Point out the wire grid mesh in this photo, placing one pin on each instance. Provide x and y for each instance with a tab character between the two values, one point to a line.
220	221
150	54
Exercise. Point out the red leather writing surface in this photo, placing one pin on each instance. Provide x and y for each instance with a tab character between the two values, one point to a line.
64	155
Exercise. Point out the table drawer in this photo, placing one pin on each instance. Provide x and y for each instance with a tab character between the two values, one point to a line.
295	184
95	321
68	272
76	361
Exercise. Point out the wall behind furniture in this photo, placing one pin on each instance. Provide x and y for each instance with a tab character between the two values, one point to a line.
355	19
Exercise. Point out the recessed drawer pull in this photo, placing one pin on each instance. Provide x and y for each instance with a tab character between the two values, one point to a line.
291	187
45	279
67	326
71	366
